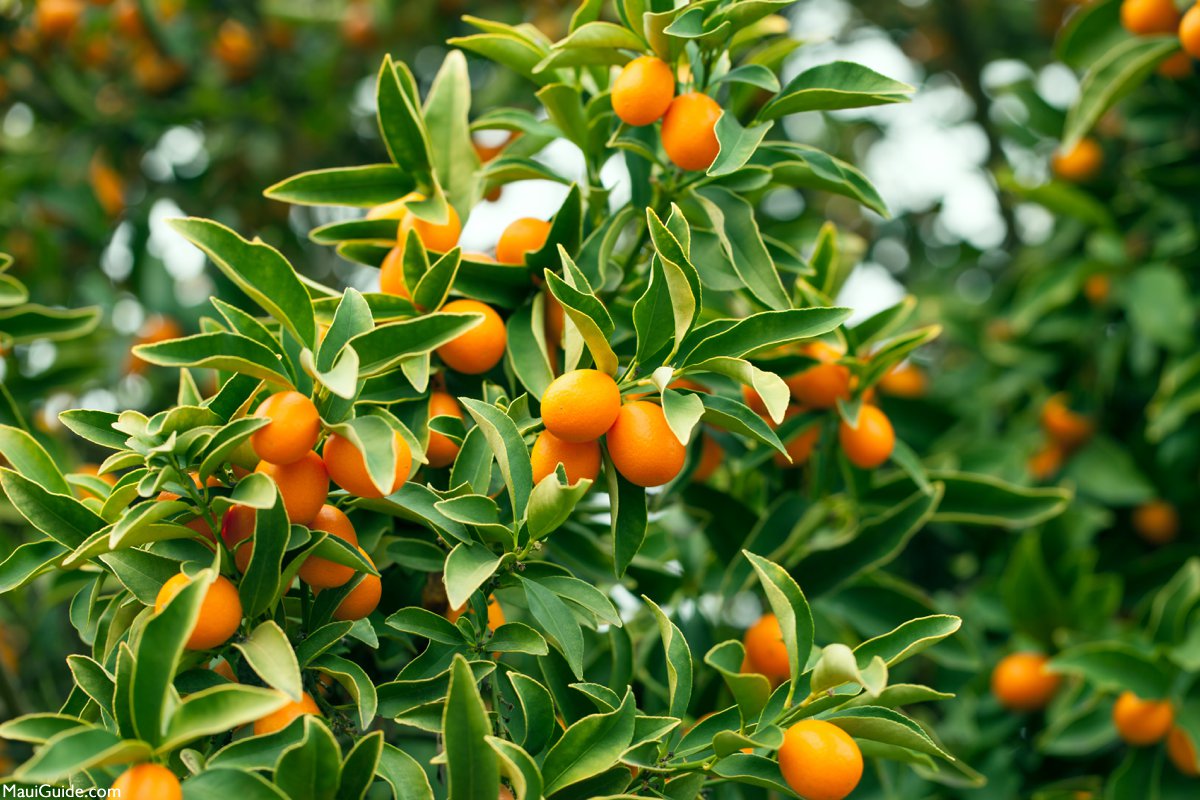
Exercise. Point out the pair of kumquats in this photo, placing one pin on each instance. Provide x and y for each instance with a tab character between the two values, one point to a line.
819	760
868	442
579	407
1023	682
644	92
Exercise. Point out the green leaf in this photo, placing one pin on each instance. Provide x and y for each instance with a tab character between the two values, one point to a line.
908	639
380	350
467	568
29	322
27	561
29	458
509	448
764	331
61	517
472	769
313	767
1114	666
420	622
216	710
520	768
365	186
1117	72
750	690
257	269
551	503
401	125
629	517
679	662
270	654
219	783
516	637
218	350
733	220
738	144
879	540
1158	302
557	622
74	750
886	726
790	607
837	85
447	110
976	499
589	747
402	772
157	656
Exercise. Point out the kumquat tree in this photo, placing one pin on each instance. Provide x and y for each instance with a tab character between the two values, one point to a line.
629	492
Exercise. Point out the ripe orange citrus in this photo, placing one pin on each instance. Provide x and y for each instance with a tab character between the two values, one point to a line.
280	719
1142	722
494	612
1046	462
523	236
348	470
871	443
148	782
580	460
823	384
504	793
904	380
220	611
107	185
1156	521
1189	31
222	668
1176	66
236	48
478	350
1080	163
1182	752
1021	682
293	429
554	320
1066	428
800	447
321	573
643	90
579	406
1096	288
303	485
689	131
438	238
56	19
642	446
155	329
391	274
442	450
363	598
1146	17
765	651
754	400
711	456
237	531
819	760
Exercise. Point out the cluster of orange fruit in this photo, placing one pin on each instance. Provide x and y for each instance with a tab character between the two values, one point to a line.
1022	682
819	760
870	441
583	405
1066	430
1157	17
234	46
478	350
644	92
